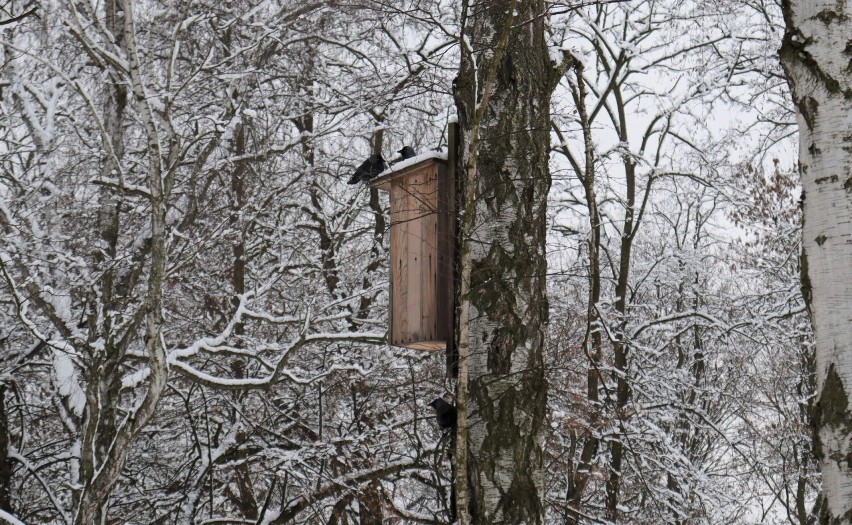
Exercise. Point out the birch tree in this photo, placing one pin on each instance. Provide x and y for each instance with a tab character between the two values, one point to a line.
816	55
503	99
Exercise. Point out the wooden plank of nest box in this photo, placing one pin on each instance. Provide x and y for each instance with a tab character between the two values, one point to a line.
415	212
429	346
383	179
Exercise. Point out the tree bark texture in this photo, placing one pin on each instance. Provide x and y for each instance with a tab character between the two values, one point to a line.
507	146
99	473
5	462
817	56
103	380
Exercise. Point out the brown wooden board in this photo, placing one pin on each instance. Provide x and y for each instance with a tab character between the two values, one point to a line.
421	253
446	254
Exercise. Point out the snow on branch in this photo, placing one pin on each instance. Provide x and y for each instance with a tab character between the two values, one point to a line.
21	302
680	316
278	367
342	483
12	520
34	472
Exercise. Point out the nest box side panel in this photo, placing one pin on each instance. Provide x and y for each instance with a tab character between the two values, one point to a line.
446	245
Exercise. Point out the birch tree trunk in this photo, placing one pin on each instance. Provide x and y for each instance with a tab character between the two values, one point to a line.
817	56
104	376
503	97
100	472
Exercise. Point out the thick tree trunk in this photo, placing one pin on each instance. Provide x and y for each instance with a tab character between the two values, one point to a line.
503	98
817	56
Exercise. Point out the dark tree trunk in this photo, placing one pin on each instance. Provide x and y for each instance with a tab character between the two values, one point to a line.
504	125
5	463
593	339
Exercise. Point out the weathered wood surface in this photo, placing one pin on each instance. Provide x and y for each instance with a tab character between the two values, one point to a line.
421	251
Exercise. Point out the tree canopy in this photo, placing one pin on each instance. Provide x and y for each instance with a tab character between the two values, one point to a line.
194	302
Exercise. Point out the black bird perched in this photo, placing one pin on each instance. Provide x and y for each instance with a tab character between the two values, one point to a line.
369	169
445	412
407	152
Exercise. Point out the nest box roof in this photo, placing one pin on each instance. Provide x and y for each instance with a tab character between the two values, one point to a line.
407	166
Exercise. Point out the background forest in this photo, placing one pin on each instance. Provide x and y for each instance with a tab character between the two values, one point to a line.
191	158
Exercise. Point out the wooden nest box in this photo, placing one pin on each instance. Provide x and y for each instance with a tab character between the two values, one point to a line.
422	250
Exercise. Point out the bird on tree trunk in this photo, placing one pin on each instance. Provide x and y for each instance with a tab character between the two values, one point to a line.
445	413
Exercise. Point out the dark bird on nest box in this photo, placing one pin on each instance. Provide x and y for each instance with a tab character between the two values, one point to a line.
445	413
407	152
369	169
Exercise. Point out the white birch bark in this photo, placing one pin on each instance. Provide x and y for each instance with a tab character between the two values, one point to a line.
817	56
101	481
503	95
